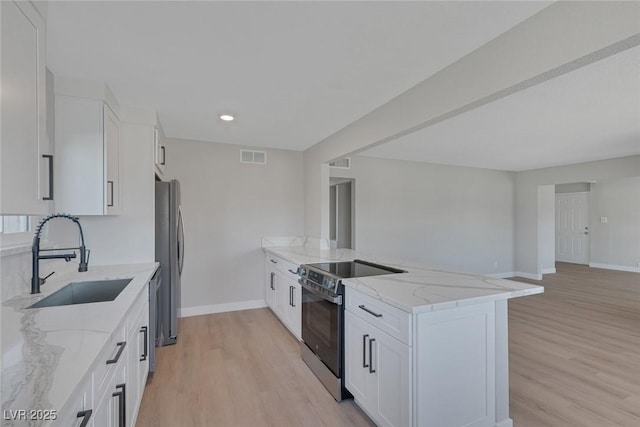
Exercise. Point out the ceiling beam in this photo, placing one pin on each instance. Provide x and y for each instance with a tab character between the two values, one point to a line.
559	39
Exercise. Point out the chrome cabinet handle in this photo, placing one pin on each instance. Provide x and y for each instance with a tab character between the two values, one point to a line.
145	331
121	344
371	370
273	261
272	285
293	296
369	311
162	162
50	158
85	415
293	272
364	351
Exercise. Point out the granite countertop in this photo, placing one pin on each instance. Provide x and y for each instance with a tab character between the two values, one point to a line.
47	352
421	289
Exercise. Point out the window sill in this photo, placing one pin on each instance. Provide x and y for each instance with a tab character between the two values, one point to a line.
15	249
21	248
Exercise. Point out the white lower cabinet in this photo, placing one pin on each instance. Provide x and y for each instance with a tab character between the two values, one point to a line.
432	369
283	294
112	393
378	372
293	312
137	362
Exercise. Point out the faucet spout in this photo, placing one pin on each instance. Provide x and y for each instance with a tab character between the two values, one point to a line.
36	257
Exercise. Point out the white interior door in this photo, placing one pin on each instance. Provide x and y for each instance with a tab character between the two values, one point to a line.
572	227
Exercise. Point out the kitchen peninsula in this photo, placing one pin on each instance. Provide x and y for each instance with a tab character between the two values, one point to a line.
438	341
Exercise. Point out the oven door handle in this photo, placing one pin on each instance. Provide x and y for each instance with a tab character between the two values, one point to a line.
335	300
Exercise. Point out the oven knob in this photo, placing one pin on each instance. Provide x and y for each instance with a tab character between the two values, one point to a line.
330	283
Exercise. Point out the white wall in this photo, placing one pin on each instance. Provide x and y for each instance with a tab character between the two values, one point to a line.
451	217
527	255
521	59
228	207
616	243
547	228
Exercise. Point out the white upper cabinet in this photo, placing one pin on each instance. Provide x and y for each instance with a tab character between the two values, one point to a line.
87	161
25	181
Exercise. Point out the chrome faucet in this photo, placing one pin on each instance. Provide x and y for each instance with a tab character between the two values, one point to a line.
36	281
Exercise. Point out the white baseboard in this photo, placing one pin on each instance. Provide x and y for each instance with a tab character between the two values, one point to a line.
615	267
528	275
504	275
221	308
505	423
548	270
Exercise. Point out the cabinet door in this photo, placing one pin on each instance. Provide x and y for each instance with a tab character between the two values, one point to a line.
270	289
294	310
112	157
282	295
103	412
391	385
356	356
139	364
112	404
23	105
80	151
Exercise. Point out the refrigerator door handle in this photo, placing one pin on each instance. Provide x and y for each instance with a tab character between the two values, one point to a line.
180	232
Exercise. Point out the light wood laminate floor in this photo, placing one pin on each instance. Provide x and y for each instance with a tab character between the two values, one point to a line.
574	361
574	351
239	369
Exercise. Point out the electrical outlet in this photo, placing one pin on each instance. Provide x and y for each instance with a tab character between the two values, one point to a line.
603	219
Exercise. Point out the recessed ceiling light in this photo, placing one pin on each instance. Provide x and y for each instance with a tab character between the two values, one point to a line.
226	117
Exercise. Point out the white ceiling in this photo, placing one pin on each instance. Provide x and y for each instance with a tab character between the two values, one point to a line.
292	72
589	114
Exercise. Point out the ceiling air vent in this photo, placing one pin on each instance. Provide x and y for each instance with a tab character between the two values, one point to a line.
344	163
253	157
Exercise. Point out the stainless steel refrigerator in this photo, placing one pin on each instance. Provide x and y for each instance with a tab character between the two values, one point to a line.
170	255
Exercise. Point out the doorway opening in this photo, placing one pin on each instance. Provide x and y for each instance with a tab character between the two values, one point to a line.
342	212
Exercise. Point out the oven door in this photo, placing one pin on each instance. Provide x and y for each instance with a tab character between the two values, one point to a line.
322	329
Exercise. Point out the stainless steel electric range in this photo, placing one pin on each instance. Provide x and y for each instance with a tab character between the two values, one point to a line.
323	317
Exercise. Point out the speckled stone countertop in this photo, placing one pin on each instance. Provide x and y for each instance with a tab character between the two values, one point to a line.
421	289
46	352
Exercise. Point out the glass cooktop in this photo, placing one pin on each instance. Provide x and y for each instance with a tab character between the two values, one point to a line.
356	268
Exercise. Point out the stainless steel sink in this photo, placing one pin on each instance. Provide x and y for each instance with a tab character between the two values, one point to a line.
84	292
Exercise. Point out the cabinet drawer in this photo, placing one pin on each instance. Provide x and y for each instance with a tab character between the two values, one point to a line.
391	320
112	356
284	266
